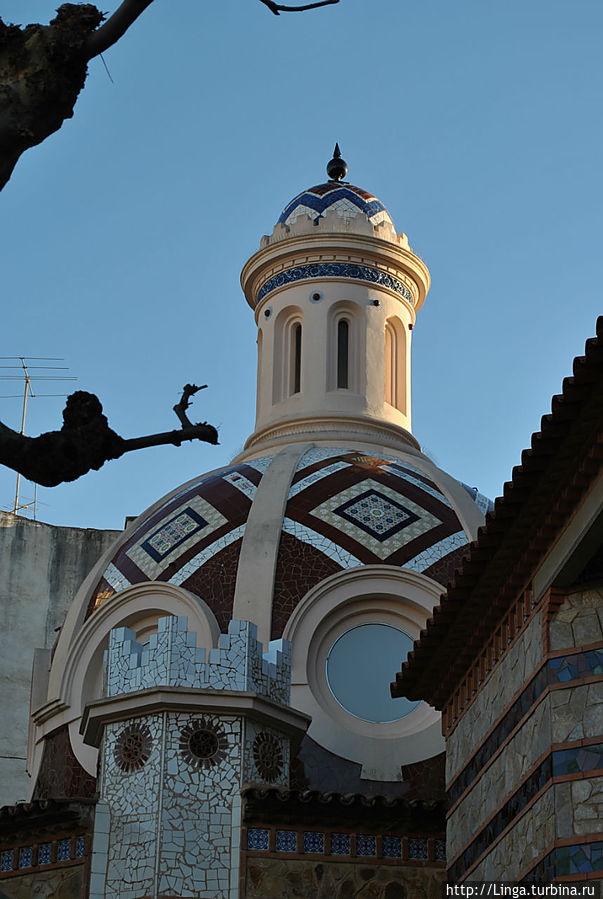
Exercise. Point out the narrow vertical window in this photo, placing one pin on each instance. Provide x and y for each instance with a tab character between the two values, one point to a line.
343	344
297	347
390	364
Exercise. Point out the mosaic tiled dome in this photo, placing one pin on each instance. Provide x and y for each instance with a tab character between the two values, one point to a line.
343	509
345	199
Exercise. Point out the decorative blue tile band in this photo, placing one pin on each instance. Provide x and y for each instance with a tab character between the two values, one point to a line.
582	858
562	669
80	846
417	849
286	841
314	842
257	838
7	859
577	760
63	850
44	853
440	850
335	270
25	856
392	847
341	844
366	845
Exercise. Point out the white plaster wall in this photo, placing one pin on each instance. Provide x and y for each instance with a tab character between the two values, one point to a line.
41	568
315	397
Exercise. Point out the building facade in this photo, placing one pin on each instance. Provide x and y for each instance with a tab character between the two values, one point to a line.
215	718
519	637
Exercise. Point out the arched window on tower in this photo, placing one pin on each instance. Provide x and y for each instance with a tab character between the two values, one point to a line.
296	359
395	364
343	352
287	377
345	338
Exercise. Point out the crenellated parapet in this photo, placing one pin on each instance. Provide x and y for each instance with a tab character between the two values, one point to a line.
172	658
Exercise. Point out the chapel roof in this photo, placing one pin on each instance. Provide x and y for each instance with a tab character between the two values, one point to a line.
555	473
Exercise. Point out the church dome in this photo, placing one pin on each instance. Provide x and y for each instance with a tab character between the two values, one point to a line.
346	200
331	509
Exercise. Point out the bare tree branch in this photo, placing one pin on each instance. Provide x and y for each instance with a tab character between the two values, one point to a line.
115	26
278	8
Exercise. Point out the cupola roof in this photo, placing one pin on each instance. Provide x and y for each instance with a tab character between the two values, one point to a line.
336	195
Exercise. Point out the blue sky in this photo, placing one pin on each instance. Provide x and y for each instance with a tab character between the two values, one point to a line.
123	235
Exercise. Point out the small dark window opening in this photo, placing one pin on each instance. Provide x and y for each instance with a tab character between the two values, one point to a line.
343	340
297	339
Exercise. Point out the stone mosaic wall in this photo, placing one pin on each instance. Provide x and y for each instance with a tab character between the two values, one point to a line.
507	678
171	812
501	778
173	658
520	847
275	879
561	737
65	884
578	621
579	807
133	797
577	713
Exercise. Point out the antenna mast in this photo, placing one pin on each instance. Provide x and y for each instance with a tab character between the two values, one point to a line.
25	367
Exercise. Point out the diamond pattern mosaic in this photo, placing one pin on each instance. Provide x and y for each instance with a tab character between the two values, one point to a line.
372	514
286	841
346	508
376	514
172	534
7	860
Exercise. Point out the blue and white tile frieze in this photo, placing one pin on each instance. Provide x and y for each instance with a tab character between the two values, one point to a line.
348	270
257	838
286	841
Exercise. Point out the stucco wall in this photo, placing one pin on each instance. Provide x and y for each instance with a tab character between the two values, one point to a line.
41	568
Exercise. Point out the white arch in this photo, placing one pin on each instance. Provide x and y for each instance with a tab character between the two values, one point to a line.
381	594
76	676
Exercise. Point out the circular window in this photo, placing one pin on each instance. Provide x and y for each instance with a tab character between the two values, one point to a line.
203	743
133	747
360	666
267	756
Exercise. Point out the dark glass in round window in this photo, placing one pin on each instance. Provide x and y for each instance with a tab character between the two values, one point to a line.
360	667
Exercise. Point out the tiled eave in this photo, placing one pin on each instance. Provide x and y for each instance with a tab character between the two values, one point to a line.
276	805
555	473
26	817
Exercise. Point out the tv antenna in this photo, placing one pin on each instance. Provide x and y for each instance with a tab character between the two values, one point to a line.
24	366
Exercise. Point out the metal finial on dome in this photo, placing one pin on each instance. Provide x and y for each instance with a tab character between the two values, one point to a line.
337	168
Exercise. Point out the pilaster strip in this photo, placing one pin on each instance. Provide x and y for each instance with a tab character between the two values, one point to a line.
257	561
